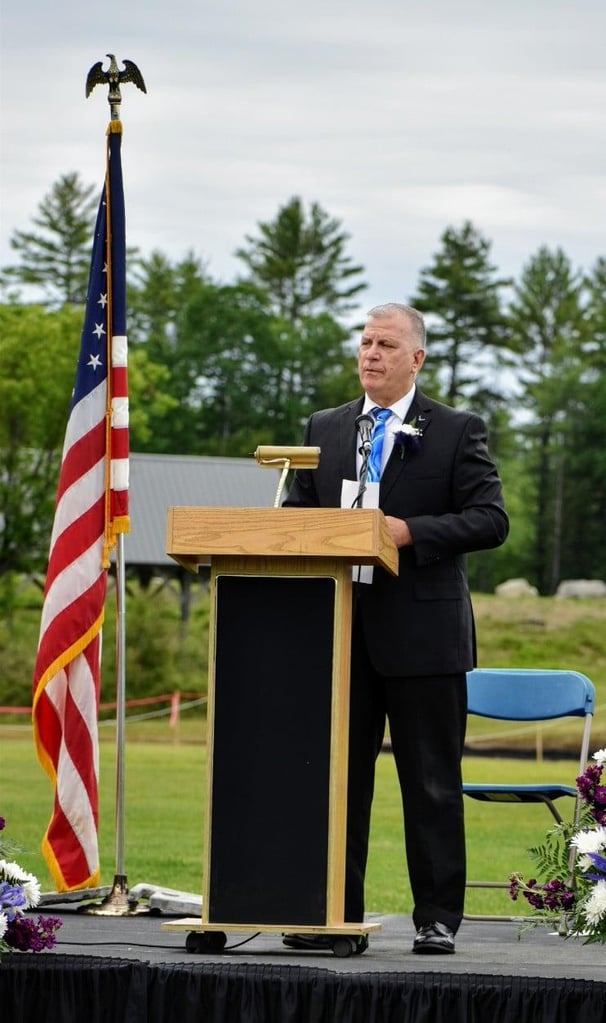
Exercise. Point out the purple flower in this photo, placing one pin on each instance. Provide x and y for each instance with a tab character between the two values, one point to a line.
600	862
514	886
28	935
12	899
2	823
592	792
555	895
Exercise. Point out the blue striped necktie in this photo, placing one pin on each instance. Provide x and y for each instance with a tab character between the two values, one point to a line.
381	415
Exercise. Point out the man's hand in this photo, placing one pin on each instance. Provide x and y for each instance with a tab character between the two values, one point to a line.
399	531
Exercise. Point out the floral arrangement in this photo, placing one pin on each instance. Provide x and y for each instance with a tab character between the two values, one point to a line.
20	891
575	898
407	437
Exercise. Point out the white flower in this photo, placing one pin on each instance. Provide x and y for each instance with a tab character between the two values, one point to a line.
31	890
19	878
590	841
13	873
10	871
413	431
595	907
600	757
3	925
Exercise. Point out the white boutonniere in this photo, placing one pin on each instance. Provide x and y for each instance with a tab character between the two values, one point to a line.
407	437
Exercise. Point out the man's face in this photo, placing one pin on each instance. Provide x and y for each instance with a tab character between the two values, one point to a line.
388	358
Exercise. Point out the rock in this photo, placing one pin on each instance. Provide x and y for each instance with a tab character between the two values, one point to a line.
582	589
516	588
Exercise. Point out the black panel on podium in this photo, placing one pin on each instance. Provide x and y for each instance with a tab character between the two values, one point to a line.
271	750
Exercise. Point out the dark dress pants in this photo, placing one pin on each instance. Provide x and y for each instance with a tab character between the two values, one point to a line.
427	717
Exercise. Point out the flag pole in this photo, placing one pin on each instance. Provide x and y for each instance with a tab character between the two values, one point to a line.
121	707
117	903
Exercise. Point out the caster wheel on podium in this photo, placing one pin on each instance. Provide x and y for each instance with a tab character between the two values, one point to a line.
205	941
344	947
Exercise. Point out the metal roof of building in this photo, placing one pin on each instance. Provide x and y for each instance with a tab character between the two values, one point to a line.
158	482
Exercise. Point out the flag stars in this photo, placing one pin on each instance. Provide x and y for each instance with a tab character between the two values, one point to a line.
99	330
94	361
102	301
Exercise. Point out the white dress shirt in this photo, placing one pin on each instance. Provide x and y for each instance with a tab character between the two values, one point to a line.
399	411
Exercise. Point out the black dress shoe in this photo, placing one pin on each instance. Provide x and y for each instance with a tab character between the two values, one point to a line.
325	942
434	939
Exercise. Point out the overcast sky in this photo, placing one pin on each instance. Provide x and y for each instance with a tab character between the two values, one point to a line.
400	117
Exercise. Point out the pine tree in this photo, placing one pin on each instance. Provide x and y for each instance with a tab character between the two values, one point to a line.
299	260
548	329
56	258
466	326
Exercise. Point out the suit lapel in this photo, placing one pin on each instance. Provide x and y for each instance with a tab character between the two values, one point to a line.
419	413
348	439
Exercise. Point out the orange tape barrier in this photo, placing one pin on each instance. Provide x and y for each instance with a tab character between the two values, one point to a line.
172	698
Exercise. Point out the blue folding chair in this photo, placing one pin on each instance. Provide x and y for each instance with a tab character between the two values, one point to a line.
520	694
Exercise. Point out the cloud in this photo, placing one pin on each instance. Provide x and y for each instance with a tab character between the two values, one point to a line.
400	119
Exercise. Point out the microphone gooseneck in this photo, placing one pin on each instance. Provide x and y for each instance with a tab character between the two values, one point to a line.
365	425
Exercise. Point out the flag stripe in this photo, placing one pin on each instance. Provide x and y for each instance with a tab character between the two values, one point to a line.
84	450
73	543
63	640
70	582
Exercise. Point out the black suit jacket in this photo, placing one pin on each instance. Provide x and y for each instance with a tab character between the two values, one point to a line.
449	493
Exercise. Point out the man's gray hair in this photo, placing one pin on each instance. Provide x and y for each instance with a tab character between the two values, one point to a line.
414	317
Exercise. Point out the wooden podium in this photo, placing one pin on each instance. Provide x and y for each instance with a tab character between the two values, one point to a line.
278	713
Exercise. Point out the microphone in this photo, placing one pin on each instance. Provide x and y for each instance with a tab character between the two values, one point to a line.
365	424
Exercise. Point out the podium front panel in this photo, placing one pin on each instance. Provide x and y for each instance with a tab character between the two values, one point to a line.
271	749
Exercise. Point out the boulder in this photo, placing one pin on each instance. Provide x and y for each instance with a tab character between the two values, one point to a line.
516	588
582	589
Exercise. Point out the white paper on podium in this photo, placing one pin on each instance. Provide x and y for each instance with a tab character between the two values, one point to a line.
370	499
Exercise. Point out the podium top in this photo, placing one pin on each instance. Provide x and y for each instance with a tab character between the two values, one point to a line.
358	536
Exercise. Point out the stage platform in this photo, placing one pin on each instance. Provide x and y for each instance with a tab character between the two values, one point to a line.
128	969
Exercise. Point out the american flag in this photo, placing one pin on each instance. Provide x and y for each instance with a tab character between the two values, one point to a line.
91	509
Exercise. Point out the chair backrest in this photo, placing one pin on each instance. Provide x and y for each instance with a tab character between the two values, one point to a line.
528	694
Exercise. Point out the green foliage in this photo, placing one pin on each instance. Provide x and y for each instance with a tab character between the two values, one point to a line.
241	376
38	353
548	328
19	631
160	292
551	855
461	297
56	257
163	655
299	260
150	402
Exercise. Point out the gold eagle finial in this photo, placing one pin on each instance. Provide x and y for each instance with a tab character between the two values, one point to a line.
114	78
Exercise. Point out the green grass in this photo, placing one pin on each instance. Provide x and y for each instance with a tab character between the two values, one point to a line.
165	780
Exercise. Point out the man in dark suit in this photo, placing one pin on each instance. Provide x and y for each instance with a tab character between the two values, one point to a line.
413	637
